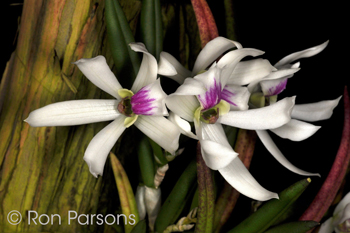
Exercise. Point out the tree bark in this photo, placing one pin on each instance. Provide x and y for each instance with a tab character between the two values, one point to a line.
42	169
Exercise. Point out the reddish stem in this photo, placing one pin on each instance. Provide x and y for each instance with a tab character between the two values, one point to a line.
205	20
206	200
330	187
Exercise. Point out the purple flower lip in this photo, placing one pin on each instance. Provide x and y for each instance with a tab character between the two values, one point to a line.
141	104
212	96
275	90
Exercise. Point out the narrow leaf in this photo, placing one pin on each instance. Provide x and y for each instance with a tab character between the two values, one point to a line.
120	36
180	195
270	211
151	26
140	227
126	195
331	185
294	227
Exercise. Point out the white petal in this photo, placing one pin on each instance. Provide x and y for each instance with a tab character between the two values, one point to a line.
210	77
345	215
191	86
216	155
98	72
153	203
273	149
230	60
315	111
160	130
97	151
74	112
236	96
269	117
341	205
148	69
183	105
327	226
296	130
184	126
216	150
150	100
246	72
237	175
170	67
212	50
140	201
212	132
301	54
285	73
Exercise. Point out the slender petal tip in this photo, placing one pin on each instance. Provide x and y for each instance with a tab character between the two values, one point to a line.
91	168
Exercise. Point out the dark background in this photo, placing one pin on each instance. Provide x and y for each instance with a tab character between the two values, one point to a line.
278	29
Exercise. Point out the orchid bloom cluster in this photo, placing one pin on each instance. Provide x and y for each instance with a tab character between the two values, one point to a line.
215	93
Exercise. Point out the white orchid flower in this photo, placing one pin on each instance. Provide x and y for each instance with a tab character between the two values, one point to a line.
340	222
243	72
265	91
142	106
204	101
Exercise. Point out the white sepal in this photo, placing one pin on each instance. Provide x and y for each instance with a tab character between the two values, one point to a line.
315	111
98	72
269	117
275	152
237	175
74	112
296	130
98	149
212	50
148	69
301	54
